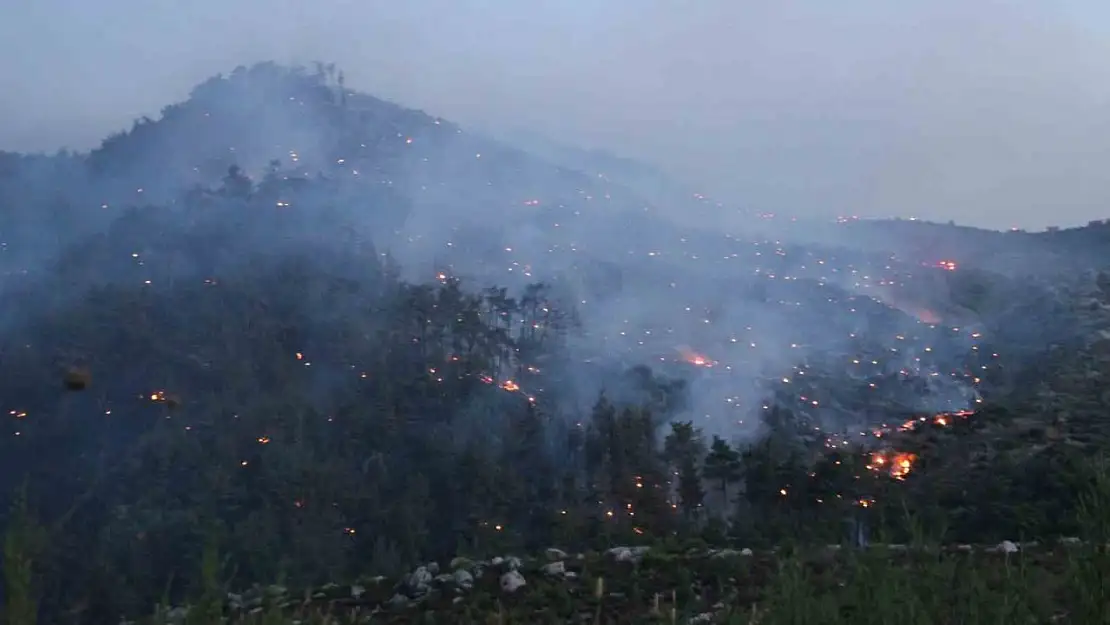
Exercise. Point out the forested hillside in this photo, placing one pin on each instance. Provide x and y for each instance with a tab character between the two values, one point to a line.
289	333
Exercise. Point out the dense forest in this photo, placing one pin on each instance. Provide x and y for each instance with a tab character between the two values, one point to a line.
351	357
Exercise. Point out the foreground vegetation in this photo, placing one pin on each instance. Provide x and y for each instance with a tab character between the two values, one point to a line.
876	586
1064	580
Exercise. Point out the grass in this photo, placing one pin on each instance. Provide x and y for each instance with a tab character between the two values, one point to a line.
919	584
912	585
1065	584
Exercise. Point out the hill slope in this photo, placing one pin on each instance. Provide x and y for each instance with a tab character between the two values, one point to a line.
324	334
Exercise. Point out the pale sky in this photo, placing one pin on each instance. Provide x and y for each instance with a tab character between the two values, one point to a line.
987	112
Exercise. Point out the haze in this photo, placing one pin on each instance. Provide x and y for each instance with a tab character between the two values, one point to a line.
989	113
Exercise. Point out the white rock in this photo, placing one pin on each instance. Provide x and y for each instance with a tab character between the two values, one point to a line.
628	554
420	577
554	554
1007	547
464	579
554	568
729	553
512	581
418	581
357	591
621	554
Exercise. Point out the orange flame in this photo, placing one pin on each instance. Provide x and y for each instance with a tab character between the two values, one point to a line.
694	358
897	464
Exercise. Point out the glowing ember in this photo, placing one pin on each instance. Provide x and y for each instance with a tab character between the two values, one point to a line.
694	358
943	419
896	464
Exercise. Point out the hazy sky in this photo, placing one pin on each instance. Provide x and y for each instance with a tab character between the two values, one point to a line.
987	112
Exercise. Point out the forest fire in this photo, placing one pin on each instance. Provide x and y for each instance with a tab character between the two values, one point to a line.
694	358
896	464
161	397
509	386
899	464
408	284
943	419
889	461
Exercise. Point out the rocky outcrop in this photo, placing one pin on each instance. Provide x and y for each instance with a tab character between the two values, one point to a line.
515	581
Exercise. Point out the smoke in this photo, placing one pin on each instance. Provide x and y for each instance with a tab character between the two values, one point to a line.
746	318
982	112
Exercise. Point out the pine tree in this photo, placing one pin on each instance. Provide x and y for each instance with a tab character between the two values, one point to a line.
722	465
683	449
